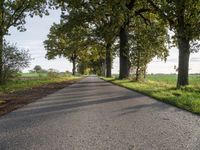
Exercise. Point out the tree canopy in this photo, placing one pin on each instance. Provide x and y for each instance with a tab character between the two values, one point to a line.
136	30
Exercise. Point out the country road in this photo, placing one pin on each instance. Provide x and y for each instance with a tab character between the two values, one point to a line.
95	115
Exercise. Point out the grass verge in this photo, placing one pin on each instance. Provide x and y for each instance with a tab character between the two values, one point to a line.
187	98
16	85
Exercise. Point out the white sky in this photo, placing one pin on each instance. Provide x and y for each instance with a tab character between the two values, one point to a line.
38	28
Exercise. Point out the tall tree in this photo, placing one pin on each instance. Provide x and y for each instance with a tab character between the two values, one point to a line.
125	12
13	13
183	17
124	47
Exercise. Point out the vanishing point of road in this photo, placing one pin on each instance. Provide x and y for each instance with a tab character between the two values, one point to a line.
96	115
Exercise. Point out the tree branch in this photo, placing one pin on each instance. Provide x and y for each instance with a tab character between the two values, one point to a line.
146	21
131	4
161	12
14	18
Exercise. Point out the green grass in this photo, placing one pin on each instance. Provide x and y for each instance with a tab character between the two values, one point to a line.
171	79
22	84
34	75
163	88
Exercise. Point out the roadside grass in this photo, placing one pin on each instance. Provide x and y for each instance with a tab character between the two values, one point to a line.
163	88
22	84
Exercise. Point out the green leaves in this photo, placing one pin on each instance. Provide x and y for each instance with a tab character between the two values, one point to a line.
13	60
146	42
14	12
62	42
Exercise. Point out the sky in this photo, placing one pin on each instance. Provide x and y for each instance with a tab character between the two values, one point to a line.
38	28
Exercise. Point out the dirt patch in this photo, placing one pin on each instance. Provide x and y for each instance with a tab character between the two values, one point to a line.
18	99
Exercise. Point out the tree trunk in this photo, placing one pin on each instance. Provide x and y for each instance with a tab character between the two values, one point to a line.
1	40
137	75
145	72
124	47
183	46
138	67
108	60
1	61
101	65
74	67
183	66
124	54
103	68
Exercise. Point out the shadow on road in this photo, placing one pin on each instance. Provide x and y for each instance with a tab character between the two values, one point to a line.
68	105
74	99
156	106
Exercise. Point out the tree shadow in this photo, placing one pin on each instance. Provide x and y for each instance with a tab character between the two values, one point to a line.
91	84
155	106
60	100
29	116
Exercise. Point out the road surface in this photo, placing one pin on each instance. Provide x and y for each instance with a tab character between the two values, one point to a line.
95	115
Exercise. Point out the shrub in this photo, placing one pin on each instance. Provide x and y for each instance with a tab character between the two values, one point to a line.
52	73
14	60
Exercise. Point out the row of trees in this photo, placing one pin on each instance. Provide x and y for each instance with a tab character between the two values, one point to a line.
136	31
98	30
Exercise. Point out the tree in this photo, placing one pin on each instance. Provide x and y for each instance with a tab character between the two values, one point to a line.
183	18
98	19
37	68
13	60
147	40
13	14
124	13
123	35
107	30
92	60
62	42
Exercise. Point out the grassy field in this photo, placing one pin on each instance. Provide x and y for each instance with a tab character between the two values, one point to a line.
171	79
163	88
30	80
34	75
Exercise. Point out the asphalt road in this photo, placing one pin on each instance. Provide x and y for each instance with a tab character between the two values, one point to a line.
96	115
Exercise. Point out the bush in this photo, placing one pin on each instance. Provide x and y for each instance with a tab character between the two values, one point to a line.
14	60
52	74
